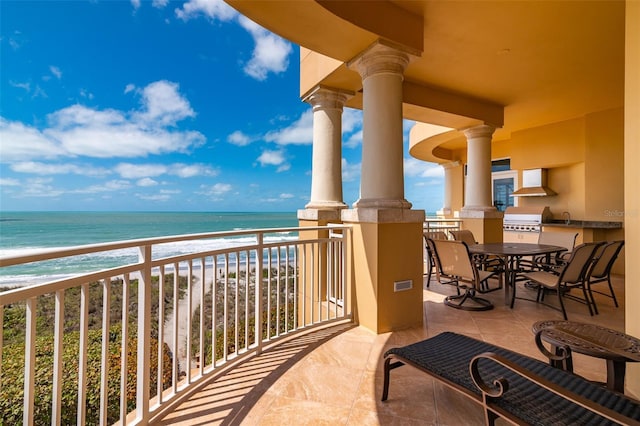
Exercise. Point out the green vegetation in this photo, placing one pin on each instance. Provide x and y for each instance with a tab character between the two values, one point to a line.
12	373
280	319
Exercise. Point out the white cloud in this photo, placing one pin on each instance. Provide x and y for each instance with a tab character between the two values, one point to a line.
216	190
86	94
418	168
154	197
38	168
20	142
350	172
136	171
129	88
354	140
78	130
351	120
283	168
213	9
40	187
159	4
9	182
238	138
271	158
163	104
56	72
146	182
191	170
270	54
24	86
286	196
109	186
135	4
298	133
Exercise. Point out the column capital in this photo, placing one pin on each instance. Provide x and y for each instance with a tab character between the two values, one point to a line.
450	164
322	97
483	130
381	58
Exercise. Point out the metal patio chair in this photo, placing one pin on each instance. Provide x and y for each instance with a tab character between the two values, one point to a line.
431	235
456	264
601	270
573	274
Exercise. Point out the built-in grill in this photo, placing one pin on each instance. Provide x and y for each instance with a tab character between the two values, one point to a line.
525	219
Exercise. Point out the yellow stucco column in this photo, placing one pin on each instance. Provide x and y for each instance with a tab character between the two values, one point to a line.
387	236
326	170
478	214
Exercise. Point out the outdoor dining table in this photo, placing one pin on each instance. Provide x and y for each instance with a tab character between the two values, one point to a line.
511	253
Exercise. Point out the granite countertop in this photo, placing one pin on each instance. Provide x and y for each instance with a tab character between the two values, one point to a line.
584	224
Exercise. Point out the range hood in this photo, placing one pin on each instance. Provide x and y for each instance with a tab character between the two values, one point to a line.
534	184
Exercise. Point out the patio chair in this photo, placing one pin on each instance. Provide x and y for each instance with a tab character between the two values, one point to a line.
441	276
431	235
464	235
547	263
456	264
573	274
601	270
483	262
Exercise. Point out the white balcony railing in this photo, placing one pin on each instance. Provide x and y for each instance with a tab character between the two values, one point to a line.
440	224
124	344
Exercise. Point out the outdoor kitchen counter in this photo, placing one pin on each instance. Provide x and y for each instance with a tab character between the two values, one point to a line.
583	224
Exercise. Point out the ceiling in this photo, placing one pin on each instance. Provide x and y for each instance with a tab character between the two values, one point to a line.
541	61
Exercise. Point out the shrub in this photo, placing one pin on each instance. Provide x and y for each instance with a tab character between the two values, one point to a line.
12	377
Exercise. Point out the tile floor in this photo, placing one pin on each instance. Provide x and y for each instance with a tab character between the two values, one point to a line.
334	376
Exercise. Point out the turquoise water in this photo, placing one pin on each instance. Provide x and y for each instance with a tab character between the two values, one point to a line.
25	232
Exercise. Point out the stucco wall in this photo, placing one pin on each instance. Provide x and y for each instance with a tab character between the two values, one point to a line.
632	177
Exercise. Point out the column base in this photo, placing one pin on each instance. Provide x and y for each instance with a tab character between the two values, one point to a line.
381	203
320	216
326	205
481	212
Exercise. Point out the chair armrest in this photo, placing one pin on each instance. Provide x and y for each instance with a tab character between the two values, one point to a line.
500	385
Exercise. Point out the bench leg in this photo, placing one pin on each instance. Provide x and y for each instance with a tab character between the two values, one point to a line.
388	366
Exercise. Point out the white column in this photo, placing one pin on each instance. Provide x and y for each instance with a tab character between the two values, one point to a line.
382	182
477	195
326	177
448	187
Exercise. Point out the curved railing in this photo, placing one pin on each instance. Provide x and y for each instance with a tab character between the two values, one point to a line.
125	344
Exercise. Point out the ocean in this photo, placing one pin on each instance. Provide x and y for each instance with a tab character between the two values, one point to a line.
25	232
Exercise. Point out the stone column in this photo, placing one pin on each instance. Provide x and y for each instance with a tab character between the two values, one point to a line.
326	176
326	188
447	211
382	180
478	214
477	194
387	235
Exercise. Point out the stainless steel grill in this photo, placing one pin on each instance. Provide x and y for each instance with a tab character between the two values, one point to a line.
525	219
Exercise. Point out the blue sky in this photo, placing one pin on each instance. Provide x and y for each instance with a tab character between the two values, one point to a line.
161	106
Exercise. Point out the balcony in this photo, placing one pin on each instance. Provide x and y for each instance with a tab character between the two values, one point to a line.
334	375
312	364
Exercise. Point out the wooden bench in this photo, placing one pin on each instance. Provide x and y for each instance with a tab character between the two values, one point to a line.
507	384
